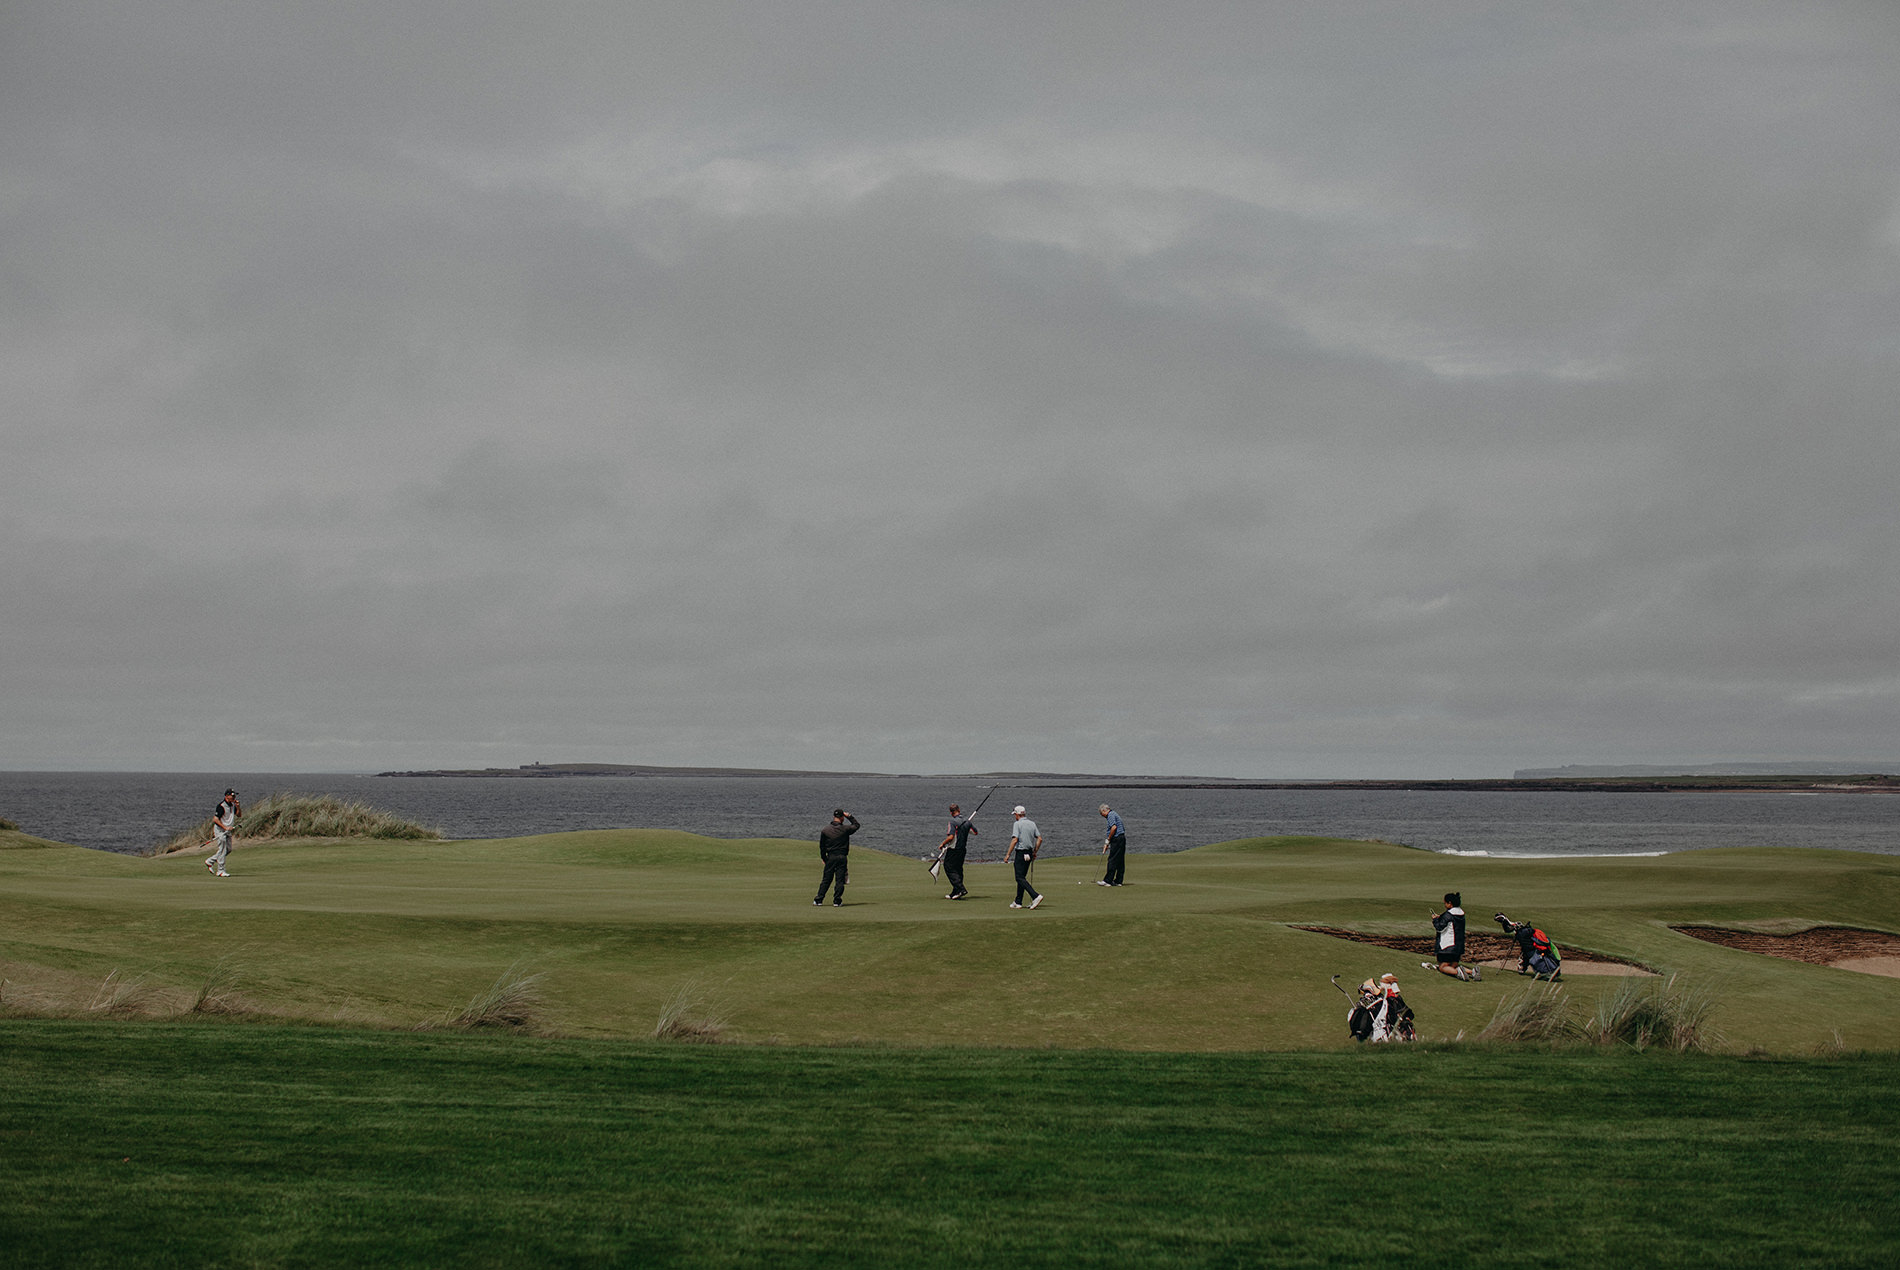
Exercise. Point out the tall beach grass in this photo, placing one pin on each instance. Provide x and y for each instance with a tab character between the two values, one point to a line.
513	1003
286	815
1667	1014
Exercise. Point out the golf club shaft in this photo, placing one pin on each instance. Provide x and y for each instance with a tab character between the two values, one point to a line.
979	806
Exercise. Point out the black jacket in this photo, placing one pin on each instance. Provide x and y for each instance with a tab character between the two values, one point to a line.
1454	918
835	838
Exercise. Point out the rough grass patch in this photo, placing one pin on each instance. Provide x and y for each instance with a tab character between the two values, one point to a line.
514	1002
1667	1014
1539	1013
118	997
689	1017
216	993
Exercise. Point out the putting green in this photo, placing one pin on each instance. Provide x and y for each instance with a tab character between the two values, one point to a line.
1199	952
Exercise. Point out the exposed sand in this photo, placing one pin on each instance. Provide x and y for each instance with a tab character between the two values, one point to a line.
1888	966
1493	952
1869	952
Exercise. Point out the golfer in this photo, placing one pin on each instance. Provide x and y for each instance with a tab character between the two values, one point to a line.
223	826
834	848
1115	847
955	845
1025	840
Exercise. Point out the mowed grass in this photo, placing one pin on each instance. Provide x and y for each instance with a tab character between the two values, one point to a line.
1200	952
214	1144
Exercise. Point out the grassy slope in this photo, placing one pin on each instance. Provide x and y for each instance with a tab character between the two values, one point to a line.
178	1145
1196	954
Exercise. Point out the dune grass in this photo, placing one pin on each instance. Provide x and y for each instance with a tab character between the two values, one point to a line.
1541	1012
1667	1014
287	815
217	1144
512	1003
1199	952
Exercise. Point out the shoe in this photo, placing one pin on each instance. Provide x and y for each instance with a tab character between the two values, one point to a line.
1014	904
837	903
211	865
223	874
1035	901
1103	882
820	900
1428	965
951	896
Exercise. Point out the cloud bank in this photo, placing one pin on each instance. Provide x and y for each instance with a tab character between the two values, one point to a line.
1349	390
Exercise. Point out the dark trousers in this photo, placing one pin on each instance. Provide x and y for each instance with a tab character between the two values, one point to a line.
953	869
1117	860
1022	879
834	868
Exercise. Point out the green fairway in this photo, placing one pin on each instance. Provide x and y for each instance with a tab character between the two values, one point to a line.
1199	952
211	1145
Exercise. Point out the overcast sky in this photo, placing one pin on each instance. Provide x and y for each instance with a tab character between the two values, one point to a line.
1243	389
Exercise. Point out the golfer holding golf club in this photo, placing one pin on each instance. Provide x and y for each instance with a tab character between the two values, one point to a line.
223	825
955	844
1024	841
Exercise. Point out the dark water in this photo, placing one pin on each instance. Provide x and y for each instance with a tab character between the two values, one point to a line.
133	811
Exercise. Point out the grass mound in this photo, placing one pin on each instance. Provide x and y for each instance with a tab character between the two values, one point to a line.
286	815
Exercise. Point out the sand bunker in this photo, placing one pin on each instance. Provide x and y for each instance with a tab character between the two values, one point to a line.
1489	951
1872	952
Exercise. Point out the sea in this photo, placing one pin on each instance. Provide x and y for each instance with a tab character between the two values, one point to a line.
132	812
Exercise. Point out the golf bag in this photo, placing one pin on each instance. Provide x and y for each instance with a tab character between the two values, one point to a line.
1377	1016
1536	954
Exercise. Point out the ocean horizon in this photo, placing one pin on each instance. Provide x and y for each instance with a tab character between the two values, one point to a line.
131	812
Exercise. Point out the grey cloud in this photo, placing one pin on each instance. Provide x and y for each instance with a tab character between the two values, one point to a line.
1405	390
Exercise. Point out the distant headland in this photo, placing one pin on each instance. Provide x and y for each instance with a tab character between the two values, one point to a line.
533	770
1708	769
1637	779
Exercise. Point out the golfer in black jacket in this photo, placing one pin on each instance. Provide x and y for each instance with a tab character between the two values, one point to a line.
953	848
834	848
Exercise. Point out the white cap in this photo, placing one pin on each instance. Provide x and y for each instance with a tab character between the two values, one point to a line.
1020	811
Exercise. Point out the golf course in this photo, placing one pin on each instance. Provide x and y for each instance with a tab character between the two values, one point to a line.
480	1053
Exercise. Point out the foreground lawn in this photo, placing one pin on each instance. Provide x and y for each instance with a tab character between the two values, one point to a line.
1201	951
217	1144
